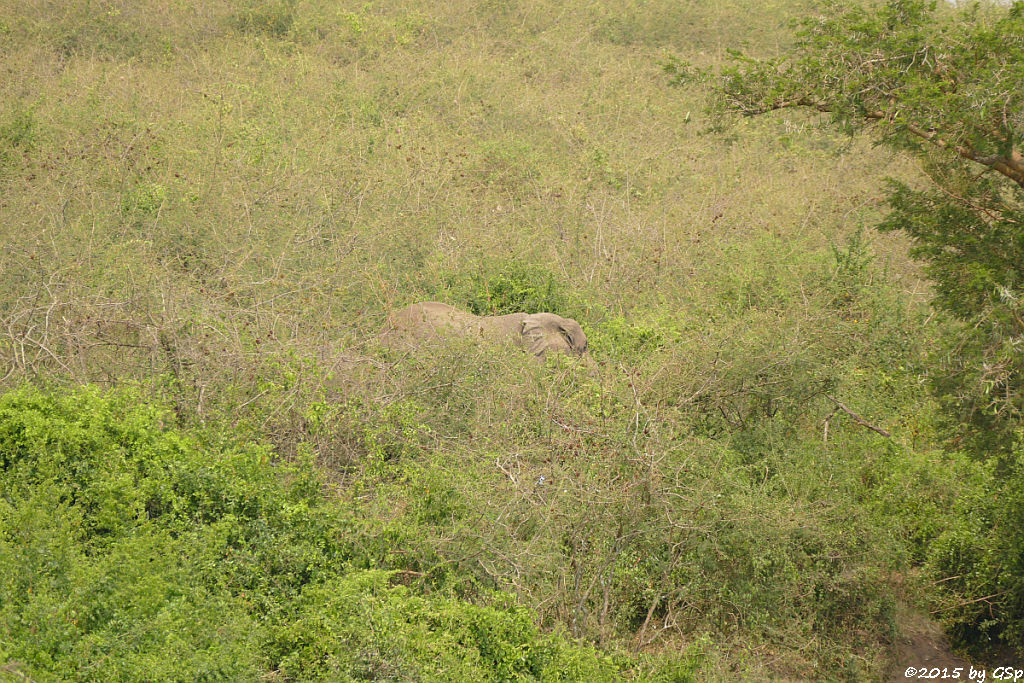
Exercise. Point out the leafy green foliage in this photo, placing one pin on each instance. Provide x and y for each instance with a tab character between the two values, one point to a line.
146	200
130	552
974	255
979	558
508	287
362	626
630	339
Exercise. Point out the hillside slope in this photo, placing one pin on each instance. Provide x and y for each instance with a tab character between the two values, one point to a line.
218	205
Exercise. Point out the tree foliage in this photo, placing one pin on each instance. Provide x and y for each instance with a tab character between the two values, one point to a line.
947	86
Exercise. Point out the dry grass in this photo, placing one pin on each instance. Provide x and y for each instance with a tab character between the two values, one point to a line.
293	190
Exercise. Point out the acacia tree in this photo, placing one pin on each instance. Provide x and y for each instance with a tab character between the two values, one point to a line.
948	86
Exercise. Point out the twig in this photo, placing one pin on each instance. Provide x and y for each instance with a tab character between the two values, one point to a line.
948	578
826	422
12	668
650	612
969	602
856	418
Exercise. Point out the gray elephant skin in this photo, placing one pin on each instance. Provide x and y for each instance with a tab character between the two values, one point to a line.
537	333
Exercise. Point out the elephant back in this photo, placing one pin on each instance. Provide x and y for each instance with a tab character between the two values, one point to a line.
537	333
429	319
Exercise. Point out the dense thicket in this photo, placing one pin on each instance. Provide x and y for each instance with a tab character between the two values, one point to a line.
129	551
947	87
217	203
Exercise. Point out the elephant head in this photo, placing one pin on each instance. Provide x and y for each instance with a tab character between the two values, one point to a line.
543	332
538	333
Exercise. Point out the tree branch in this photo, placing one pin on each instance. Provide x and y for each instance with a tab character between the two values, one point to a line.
969	602
856	418
1011	165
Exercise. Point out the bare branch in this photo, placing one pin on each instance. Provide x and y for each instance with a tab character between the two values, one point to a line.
969	602
856	418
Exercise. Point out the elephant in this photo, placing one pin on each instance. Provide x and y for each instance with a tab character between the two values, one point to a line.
537	333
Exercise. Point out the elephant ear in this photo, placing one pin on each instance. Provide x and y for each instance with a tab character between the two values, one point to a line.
540	335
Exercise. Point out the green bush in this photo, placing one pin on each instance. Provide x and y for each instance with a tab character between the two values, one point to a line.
509	287
979	557
633	339
129	551
359	625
